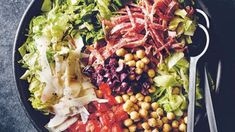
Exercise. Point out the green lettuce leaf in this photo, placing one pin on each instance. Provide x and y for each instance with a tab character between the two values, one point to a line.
172	73
165	81
46	6
181	12
174	59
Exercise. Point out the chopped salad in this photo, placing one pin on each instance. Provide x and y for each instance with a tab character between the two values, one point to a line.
110	65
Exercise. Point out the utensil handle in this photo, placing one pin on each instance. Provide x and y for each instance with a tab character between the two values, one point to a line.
209	106
191	93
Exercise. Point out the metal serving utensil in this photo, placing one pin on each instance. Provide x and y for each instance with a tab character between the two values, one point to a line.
192	76
209	105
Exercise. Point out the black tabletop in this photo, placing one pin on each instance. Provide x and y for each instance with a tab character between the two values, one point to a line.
13	118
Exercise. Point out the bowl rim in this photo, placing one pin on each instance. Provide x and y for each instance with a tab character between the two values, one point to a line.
16	83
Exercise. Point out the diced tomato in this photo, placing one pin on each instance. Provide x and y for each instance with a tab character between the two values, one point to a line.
105	129
111	99
101	107
107	118
105	89
77	126
92	126
116	128
120	114
92	116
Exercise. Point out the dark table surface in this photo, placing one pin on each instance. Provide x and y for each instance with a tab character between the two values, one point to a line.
12	116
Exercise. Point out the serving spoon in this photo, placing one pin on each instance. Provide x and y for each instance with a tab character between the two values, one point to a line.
192	78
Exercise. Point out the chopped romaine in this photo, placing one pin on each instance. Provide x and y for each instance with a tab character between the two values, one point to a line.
173	73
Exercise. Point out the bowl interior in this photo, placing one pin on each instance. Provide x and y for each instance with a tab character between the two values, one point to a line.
38	119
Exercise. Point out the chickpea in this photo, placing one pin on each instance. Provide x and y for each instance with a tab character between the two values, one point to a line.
143	113
140	54
166	128
145	125
165	120
133	99
147	99
182	127
139	96
138	71
154	115
139	103
130	93
175	124
136	107
135	57
119	99
145	105
125	97
152	122
170	115
140	64
132	77
151	73
176	91
185	119
125	130
132	109
131	63
160	111
154	106
152	90
126	107
128	122
128	57
159	123
129	103
121	52
98	93
134	115
132	128
145	60
155	130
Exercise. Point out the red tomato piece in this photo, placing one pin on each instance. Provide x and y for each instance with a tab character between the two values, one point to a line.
105	129
116	128
101	107
107	118
93	126
105	89
93	116
77	126
111	99
120	114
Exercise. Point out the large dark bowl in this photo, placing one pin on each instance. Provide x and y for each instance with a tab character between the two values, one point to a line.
215	53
